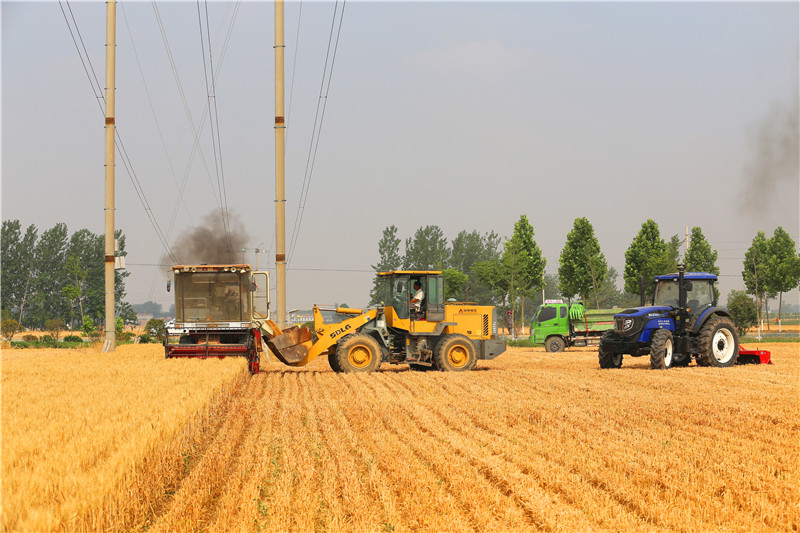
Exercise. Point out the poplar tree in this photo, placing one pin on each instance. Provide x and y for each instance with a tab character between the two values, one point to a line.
427	250
756	271
582	266
700	257
783	265
646	256
390	259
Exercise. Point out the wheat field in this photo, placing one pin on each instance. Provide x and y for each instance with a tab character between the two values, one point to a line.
528	441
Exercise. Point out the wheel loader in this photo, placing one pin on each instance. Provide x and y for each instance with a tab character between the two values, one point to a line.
223	310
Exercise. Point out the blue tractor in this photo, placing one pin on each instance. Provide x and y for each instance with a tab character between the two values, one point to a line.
683	322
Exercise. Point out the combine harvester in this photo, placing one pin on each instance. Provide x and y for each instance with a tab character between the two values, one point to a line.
223	310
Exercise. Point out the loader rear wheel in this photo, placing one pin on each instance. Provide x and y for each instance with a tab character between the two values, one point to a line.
661	350
358	353
455	353
554	344
719	343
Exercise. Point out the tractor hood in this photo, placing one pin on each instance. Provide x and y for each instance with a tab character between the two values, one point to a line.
631	321
657	310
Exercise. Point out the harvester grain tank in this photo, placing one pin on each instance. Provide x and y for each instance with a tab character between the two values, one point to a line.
450	336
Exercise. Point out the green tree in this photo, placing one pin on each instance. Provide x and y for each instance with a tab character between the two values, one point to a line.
522	265
756	271
673	255
54	326
469	248
582	266
389	253
157	329
19	262
646	257
700	257
454	283
743	311
9	327
427	250
783	265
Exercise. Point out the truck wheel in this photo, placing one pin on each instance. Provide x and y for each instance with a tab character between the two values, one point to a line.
661	350
554	344
358	353
719	343
454	353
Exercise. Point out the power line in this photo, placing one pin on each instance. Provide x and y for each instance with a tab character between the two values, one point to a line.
322	103
124	157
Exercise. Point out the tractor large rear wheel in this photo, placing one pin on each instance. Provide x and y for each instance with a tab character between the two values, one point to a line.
454	353
661	350
358	353
719	343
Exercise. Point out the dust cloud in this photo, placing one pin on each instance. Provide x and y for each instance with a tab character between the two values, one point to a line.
210	242
774	159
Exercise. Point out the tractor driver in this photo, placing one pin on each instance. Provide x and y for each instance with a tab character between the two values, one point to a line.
419	295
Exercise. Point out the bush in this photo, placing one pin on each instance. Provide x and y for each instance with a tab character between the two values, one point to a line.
124	336
9	327
156	329
145	338
55	326
47	339
28	337
72	338
743	311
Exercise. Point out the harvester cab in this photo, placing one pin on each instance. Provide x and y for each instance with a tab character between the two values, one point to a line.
682	322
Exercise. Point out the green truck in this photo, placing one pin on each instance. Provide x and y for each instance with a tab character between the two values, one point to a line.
557	325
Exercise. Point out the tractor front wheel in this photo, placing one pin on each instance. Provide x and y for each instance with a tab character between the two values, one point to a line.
606	358
454	353
719	343
358	353
661	349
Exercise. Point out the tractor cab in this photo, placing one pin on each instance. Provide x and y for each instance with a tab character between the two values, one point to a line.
699	292
412	296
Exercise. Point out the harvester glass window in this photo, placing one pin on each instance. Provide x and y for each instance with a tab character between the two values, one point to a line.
213	296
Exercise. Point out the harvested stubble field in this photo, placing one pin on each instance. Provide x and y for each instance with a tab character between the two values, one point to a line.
529	441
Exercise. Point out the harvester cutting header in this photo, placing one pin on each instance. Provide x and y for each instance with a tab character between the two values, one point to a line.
223	310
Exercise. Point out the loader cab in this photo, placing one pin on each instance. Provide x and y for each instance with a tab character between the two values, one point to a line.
398	292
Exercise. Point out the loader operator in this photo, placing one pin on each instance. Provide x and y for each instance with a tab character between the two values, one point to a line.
419	295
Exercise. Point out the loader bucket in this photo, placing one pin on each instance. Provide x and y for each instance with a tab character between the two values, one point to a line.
754	357
290	345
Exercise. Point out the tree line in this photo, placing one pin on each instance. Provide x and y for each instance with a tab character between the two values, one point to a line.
57	276
489	270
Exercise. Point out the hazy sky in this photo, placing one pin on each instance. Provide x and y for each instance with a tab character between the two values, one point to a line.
462	115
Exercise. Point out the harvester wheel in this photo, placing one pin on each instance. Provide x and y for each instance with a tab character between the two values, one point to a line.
358	353
454	353
719	343
554	344
661	350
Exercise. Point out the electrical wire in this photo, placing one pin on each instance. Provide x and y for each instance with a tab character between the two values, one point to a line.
319	118
124	157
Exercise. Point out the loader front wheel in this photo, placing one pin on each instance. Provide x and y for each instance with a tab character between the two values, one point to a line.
334	362
454	353
719	343
358	353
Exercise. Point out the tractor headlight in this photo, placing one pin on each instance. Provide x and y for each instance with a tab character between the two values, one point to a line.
627	324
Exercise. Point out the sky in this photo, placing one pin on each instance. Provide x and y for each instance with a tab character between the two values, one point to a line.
460	115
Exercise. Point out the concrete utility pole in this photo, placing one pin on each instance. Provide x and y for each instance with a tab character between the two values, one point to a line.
111	37
280	171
